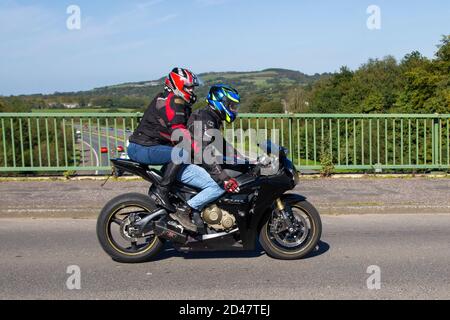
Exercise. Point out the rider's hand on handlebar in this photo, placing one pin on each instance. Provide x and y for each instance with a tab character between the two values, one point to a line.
264	160
231	186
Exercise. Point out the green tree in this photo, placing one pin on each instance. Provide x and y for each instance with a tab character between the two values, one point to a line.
427	82
373	88
327	94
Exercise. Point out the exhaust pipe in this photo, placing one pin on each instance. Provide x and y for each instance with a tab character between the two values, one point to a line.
163	230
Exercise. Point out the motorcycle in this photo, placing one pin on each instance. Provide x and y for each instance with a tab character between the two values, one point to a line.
133	228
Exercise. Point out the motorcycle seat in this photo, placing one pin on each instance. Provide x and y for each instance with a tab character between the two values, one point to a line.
140	169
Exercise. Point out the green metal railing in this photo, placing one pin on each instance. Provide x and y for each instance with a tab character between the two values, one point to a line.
34	142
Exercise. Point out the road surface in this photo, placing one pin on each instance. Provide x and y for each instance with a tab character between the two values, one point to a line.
92	148
411	252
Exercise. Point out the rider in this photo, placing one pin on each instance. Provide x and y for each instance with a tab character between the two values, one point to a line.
209	175
151	141
152	144
223	102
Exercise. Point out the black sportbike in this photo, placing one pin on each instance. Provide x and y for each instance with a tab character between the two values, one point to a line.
132	227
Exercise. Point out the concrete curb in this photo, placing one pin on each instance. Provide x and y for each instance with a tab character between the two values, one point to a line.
82	178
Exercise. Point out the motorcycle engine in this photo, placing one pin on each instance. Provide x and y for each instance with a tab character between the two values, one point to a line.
218	219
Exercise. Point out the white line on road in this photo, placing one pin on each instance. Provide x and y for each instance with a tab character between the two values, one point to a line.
96	155
46	210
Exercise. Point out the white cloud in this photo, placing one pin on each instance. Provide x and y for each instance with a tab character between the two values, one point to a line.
164	19
27	31
210	2
147	4
23	19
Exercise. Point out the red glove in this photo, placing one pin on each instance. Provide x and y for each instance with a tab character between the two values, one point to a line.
231	186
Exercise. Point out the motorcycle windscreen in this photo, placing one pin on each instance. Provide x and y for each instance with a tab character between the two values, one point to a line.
270	147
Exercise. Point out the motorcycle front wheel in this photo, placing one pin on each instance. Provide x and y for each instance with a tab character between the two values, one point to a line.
113	229
287	245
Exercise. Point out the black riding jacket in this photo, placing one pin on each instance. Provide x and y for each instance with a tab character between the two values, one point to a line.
165	114
200	121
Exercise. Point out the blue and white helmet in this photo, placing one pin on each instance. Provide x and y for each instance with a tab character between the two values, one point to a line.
225	100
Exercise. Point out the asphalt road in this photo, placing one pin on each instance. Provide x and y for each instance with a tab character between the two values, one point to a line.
412	252
92	147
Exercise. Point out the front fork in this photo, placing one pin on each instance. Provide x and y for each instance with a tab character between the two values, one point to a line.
286	216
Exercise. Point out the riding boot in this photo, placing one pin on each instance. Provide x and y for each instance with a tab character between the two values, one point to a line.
183	216
162	189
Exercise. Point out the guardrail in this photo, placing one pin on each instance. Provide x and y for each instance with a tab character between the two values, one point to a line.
45	142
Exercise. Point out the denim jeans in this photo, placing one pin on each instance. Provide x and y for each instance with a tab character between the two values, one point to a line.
156	155
191	175
197	177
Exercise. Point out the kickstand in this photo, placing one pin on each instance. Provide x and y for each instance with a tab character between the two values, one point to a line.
113	172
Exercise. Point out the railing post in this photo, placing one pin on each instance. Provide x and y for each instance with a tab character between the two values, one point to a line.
290	138
436	142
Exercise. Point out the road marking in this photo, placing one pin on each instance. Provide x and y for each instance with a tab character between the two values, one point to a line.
45	210
111	137
96	155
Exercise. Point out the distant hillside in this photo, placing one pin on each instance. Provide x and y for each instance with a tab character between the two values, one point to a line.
248	82
270	84
413	84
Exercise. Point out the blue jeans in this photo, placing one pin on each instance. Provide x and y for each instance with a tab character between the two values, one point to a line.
156	155
191	175
197	177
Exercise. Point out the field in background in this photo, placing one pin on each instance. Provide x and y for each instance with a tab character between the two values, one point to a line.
83	110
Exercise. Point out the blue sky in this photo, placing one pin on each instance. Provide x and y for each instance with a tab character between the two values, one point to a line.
136	40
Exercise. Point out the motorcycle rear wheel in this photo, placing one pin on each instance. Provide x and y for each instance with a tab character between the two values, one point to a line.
273	245
112	233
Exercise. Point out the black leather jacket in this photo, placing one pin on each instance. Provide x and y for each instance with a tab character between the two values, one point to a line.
165	114
200	122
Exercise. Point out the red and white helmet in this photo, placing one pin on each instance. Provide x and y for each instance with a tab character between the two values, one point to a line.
182	83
